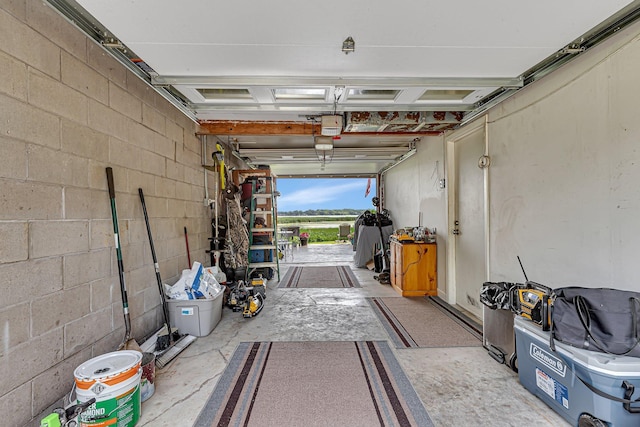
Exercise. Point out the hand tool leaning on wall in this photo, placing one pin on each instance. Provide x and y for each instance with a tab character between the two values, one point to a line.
128	343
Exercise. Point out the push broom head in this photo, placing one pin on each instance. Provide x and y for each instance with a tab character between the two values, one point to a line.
173	351
164	340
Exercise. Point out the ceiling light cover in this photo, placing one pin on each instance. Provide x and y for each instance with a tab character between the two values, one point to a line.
323	146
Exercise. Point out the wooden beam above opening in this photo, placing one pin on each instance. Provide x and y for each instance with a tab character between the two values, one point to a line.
231	127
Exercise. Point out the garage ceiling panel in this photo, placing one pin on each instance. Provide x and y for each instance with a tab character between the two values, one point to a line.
257	47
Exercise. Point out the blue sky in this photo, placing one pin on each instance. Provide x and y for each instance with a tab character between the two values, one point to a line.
324	193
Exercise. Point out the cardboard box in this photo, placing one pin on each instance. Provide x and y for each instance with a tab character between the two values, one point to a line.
195	317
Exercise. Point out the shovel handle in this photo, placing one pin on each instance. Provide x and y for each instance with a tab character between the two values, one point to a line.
112	191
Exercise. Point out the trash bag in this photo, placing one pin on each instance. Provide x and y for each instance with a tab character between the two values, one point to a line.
497	295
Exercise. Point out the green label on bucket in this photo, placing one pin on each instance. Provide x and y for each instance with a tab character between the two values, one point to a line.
120	411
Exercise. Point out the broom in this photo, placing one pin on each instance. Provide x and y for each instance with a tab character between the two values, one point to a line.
128	343
169	348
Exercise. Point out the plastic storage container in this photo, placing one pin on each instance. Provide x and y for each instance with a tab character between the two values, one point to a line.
259	255
195	317
554	378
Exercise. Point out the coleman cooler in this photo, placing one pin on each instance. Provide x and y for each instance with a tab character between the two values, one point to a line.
555	377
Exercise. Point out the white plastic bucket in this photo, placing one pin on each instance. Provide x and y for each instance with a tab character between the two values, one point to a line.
147	382
113	379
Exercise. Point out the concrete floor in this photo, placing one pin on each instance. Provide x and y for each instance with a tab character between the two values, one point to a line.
459	386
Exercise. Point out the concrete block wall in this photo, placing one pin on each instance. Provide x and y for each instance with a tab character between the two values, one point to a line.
67	111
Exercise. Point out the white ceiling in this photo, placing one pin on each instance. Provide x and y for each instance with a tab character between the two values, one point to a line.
400	38
404	46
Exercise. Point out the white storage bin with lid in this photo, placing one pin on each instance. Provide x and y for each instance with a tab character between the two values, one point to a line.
195	317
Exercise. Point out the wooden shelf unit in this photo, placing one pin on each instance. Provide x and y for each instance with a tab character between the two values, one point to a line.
260	197
414	268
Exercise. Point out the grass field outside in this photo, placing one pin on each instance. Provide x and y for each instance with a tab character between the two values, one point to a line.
330	219
320	231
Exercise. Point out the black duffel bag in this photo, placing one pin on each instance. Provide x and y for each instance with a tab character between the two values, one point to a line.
597	319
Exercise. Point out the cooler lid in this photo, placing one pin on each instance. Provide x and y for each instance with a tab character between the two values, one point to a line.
594	361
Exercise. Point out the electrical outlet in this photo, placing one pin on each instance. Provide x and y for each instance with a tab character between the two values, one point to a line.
442	184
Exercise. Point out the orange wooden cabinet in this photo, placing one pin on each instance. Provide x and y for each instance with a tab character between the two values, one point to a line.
414	268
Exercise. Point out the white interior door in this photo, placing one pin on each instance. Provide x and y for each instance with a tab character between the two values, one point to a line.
468	229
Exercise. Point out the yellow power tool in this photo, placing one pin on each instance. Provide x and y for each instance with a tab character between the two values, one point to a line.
532	302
